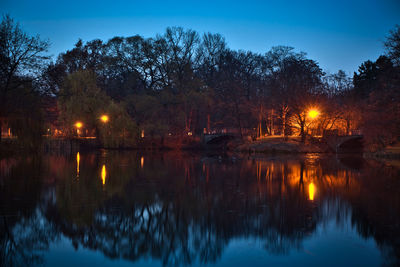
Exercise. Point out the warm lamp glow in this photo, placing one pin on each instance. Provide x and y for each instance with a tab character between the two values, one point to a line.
142	135
103	174
78	159
311	191
313	113
78	124
104	118
141	162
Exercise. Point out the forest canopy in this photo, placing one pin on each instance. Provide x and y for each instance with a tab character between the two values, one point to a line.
182	82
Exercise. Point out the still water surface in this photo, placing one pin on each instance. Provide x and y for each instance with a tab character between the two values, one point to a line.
127	208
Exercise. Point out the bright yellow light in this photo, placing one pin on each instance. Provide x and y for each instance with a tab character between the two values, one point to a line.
311	191
78	124
103	174
104	118
78	159
190	133
141	162
313	113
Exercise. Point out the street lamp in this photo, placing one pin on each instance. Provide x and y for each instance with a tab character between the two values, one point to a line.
78	126
313	113
104	118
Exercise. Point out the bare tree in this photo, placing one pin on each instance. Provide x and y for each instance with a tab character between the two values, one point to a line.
392	45
21	60
21	55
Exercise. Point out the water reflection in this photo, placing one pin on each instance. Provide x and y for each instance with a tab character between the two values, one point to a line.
78	159
311	191
103	174
185	209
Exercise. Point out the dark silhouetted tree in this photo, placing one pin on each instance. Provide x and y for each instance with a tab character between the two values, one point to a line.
22	58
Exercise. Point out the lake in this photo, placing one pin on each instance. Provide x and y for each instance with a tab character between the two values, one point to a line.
109	208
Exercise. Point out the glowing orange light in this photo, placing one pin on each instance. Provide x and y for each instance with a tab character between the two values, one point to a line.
311	191
141	162
78	124
142	135
103	174
78	159
190	133
104	118
313	113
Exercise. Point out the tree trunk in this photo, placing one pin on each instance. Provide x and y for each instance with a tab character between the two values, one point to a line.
260	121
283	124
302	132
208	123
348	127
284	113
238	118
271	132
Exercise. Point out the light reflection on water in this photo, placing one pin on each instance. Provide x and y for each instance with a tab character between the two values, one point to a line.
184	209
78	159
103	174
311	191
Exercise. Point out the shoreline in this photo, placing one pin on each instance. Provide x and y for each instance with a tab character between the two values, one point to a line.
267	147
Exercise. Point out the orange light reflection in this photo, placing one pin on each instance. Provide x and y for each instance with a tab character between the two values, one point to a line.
103	174
311	191
78	159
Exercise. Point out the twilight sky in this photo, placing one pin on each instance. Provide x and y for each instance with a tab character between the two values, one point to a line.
338	34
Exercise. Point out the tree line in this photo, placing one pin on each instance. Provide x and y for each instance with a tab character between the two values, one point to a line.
182	82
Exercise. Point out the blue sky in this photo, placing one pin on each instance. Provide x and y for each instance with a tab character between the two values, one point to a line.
337	34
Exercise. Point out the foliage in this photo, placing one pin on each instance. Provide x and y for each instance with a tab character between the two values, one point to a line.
21	60
147	111
179	82
81	100
27	120
377	85
120	130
